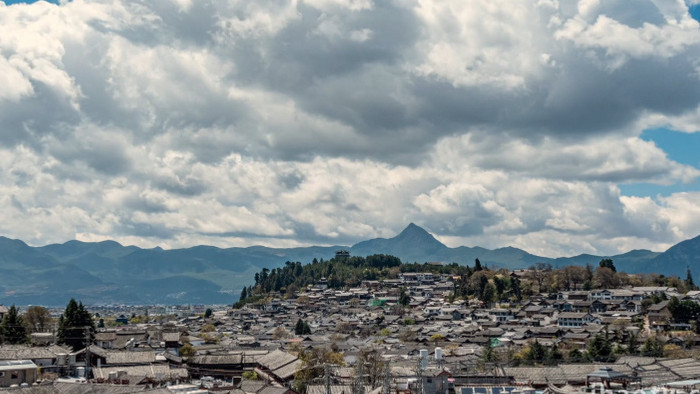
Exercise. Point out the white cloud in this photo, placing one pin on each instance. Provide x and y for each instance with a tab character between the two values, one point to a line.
176	123
478	43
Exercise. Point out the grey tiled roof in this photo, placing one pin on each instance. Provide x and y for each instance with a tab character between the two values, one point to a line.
276	359
154	371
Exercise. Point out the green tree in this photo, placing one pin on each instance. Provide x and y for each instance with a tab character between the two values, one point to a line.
250	375
299	327
75	326
488	294
244	294
607	263
302	328
187	350
12	329
554	355
404	299
477	265
684	311
653	348
515	288
536	353
633	344
500	284
600	349
207	313
576	356
689	283
488	355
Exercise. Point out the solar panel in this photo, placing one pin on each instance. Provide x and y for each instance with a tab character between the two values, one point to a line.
496	390
467	390
480	390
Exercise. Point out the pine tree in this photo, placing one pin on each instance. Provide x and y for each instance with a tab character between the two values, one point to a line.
75	326
404	299
653	348
12	329
299	327
633	344
600	349
488	355
515	288
244	294
553	356
689	283
536	353
575	356
607	263
477	265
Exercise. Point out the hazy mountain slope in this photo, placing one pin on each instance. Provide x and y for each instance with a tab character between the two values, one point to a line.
107	272
677	259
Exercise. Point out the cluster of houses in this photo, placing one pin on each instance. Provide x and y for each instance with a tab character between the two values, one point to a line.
429	346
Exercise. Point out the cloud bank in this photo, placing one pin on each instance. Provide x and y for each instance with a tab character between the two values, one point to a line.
284	123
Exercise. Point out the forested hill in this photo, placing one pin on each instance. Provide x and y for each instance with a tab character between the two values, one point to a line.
340	272
477	281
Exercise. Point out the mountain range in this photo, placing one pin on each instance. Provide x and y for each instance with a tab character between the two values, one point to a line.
110	273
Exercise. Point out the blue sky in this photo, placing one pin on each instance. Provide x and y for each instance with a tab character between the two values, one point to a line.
679	146
535	124
10	2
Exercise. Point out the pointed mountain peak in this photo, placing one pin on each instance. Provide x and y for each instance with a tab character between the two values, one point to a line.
417	236
410	245
413	229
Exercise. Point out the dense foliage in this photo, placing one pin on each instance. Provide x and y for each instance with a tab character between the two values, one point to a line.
686	311
75	326
302	328
12	329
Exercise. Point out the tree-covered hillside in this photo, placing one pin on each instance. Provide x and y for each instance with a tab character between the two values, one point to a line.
468	282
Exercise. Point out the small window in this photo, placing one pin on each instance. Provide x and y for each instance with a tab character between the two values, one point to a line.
2	374
15	375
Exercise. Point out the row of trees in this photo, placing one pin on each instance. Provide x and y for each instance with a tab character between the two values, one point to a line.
340	272
15	328
76	327
601	348
544	278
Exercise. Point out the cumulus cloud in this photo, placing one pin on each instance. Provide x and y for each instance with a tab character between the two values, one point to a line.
175	123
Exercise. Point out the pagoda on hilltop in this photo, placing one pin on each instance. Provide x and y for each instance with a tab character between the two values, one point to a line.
342	254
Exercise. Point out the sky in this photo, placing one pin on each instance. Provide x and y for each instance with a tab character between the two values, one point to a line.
556	126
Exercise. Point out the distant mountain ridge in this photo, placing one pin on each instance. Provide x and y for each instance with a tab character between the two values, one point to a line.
110	273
